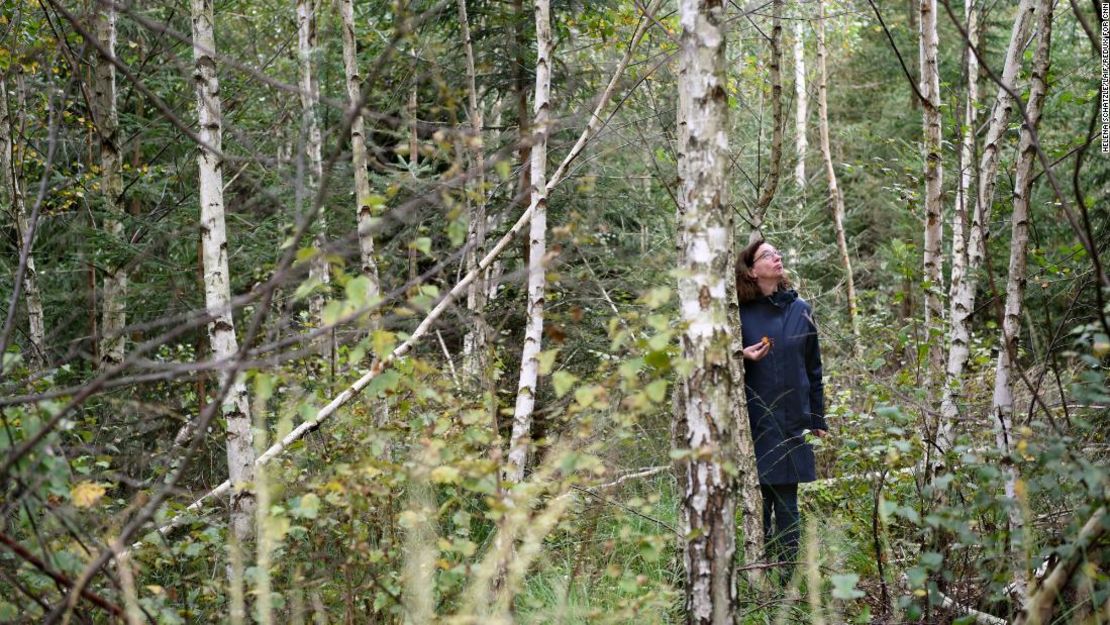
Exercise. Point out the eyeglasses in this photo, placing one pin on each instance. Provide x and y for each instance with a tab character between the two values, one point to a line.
768	254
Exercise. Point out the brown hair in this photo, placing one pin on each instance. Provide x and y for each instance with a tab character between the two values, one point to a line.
747	289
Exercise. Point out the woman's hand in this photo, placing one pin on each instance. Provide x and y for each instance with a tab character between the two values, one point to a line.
758	351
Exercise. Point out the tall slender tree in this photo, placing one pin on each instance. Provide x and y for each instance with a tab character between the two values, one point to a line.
801	102
520	443
929	86
217	283
964	201
474	343
312	145
770	185
836	197
963	299
709	391
1002	403
113	287
11	125
364	209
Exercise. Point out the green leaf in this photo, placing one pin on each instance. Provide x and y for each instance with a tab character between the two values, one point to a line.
657	391
844	586
563	381
308	507
382	342
358	291
423	244
585	395
547	360
332	313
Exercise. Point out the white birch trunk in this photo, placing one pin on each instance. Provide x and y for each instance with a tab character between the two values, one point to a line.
474	342
312	144
217	283
929	86
949	410
114	285
364	210
520	443
1002	404
801	99
836	199
9	126
963	297
708	394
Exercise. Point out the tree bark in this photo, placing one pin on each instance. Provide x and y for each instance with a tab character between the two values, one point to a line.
708	394
307	12
963	294
836	199
217	284
520	443
1038	609
474	342
1002	404
770	185
949	410
114	285
802	101
10	127
363	198
929	86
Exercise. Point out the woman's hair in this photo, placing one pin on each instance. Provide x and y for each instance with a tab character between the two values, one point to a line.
747	289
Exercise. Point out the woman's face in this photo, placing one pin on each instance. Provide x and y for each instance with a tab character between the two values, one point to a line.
767	263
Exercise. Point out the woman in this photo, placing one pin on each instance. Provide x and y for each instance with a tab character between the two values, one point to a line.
782	373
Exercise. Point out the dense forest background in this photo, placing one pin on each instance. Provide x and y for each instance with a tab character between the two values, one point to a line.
434	410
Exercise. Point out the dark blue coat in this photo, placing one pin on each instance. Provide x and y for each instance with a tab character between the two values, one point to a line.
786	395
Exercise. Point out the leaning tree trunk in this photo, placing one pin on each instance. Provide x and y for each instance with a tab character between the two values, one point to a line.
474	342
520	443
963	296
771	184
709	395
929	86
10	125
1002	405
312	144
836	199
114	286
217	284
949	410
801	100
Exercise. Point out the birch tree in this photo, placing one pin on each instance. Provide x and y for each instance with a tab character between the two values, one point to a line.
963	298
364	200
519	443
1002	403
11	124
113	288
964	200
801	101
836	198
217	283
709	391
474	342
929	86
312	145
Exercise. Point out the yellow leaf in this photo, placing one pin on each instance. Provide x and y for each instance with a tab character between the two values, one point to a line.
86	494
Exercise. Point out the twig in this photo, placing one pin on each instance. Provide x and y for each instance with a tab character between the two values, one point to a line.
58	578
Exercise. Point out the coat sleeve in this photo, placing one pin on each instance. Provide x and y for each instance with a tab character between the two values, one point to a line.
813	371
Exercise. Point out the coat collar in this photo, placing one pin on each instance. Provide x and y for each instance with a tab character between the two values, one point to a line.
782	298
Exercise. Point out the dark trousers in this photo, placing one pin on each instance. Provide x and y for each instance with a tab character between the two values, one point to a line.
780	539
